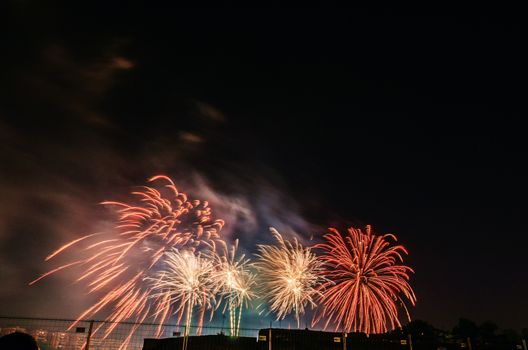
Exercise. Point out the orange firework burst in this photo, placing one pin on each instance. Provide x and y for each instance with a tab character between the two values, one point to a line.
118	261
367	280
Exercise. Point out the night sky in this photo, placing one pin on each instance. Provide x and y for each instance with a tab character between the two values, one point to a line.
297	118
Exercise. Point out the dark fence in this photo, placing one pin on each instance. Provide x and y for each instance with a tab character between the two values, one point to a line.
65	334
55	334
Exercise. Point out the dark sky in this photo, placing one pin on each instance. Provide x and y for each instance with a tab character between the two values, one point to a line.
301	118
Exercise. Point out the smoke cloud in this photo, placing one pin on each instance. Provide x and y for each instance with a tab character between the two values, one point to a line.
64	152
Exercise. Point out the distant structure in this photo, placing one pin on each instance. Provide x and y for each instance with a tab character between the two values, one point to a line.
210	342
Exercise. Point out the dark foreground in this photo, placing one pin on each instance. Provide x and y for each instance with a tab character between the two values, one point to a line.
284	339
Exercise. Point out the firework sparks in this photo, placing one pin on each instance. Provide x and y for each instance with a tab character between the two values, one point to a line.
117	262
290	275
366	281
187	279
236	283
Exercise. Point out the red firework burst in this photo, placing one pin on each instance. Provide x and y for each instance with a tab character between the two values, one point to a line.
117	262
367	280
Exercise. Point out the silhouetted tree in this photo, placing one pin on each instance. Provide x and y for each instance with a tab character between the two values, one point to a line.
465	328
419	328
511	335
488	331
524	333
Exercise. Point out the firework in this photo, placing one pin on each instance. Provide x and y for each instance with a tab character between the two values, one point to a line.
367	280
187	280
236	283
115	263
290	275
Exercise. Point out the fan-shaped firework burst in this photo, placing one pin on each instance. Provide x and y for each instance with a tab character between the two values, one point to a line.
366	281
187	279
290	275
236	283
116	262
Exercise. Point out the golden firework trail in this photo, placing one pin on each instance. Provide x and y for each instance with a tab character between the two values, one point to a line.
290	275
187	279
236	281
